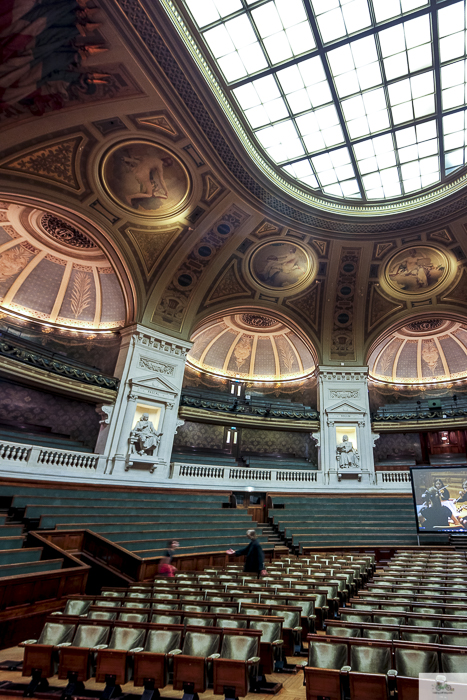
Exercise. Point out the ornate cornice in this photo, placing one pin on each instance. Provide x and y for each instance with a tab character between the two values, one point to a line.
307	216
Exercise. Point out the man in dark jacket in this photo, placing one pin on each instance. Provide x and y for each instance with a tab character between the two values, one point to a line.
254	556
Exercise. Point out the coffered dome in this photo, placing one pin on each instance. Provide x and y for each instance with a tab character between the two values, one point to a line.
251	346
52	271
425	351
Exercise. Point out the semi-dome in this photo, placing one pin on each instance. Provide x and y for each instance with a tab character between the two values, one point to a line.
251	346
424	351
52	271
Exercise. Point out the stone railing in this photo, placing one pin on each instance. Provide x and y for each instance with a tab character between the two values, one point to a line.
400	478
233	476
14	455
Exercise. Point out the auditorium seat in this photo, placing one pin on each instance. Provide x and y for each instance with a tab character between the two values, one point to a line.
236	671
193	666
151	667
369	664
114	665
41	656
410	662
77	661
323	674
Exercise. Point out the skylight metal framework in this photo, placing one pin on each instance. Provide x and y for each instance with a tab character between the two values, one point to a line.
357	99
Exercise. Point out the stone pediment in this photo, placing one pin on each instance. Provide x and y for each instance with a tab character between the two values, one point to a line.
345	407
151	384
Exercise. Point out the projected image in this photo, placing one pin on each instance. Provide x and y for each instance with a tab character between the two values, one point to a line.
440	498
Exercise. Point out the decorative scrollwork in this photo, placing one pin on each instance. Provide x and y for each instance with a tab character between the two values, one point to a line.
63	232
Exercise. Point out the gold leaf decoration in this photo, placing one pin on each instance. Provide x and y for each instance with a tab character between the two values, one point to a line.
286	355
81	293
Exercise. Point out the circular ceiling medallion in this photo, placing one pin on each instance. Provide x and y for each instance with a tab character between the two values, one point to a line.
257	321
418	270
145	178
425	325
281	265
64	233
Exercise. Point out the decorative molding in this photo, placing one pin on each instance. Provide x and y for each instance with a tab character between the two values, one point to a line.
211	189
343	336
56	162
344	394
157	366
169	347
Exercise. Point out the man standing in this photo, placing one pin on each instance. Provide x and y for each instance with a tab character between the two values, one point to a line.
254	556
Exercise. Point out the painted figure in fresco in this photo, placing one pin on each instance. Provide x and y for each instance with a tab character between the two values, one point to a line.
144	438
347	456
148	171
416	271
282	270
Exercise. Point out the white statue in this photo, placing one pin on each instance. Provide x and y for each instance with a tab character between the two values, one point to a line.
347	456
144	438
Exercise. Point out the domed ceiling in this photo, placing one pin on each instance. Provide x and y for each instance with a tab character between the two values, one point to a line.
250	346
422	352
52	271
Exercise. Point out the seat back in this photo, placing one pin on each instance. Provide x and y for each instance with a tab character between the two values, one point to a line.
201	643
166	619
411	662
102	615
388	635
56	633
77	607
132	617
232	622
194	608
454	640
90	636
135	604
388	620
370	658
163	641
239	647
271	630
126	638
326	655
420	638
343	631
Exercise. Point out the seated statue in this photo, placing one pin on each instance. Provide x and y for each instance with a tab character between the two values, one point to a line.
144	438
347	456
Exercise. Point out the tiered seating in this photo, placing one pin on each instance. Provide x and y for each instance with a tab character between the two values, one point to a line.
141	522
272	462
322	521
45	439
411	619
204	458
15	561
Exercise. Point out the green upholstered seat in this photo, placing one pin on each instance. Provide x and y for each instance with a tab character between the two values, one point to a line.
384	635
77	607
343	631
455	624
271	630
200	644
238	648
219	609
126	638
350	617
370	659
454	640
365	606
166	619
102	615
194	608
231	623
137	594
198	621
133	617
427	622
110	603
328	656
112	594
166	606
388	620
56	633
412	662
419	638
90	636
163	641
163	594
395	608
429	611
143	605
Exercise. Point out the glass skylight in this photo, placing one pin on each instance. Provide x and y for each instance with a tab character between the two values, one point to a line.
355	99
